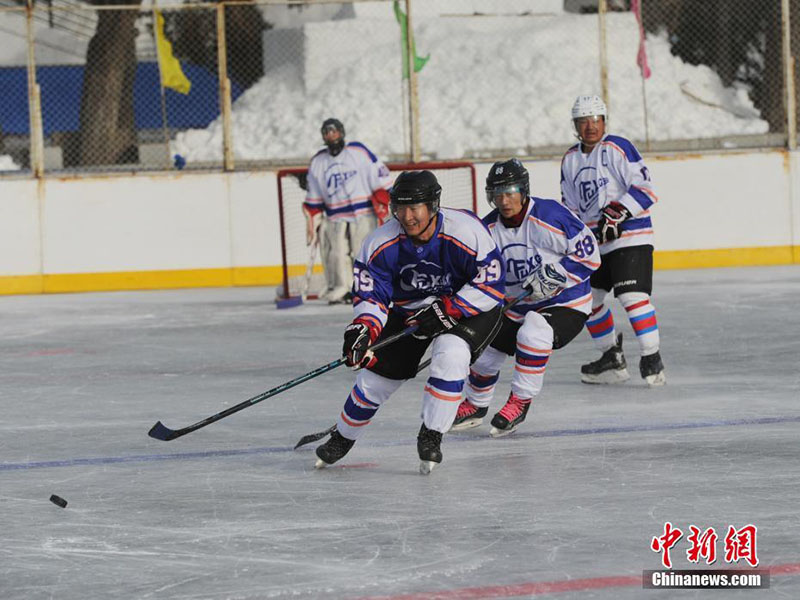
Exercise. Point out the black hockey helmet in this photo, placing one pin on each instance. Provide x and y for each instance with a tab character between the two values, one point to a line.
507	176
415	187
336	125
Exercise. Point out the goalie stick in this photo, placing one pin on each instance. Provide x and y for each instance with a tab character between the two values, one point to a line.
161	432
313	437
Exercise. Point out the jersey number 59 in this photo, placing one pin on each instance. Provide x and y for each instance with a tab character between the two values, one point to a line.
489	273
362	280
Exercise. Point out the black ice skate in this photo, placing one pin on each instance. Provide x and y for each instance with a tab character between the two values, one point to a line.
510	416
332	450
429	448
609	368
652	369
468	416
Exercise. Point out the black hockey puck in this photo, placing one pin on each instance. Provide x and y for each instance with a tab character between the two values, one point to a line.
58	500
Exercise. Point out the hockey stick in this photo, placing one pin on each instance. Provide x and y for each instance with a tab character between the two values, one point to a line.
313	437
312	256
161	432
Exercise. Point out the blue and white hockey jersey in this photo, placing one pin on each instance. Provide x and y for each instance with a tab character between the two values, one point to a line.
343	184
549	233
612	172
461	261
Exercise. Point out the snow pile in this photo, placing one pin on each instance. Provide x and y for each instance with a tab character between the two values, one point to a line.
492	85
7	163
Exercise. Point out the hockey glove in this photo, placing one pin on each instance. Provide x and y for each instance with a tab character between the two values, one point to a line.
358	337
434	320
380	204
545	282
612	217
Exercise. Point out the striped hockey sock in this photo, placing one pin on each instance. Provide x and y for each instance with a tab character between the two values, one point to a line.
642	316
601	327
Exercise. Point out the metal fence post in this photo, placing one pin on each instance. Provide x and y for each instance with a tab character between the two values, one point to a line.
34	100
788	76
412	87
602	8
224	91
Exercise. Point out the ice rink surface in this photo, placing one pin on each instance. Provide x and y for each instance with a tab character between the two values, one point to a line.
565	508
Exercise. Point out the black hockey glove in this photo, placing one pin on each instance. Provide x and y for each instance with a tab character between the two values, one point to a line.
431	320
545	282
612	217
357	340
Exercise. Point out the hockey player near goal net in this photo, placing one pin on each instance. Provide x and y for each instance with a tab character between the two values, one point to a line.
347	195
606	183
434	268
549	253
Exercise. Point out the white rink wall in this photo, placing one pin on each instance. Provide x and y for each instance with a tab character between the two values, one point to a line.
189	230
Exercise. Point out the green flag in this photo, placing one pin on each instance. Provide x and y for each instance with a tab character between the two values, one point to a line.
418	61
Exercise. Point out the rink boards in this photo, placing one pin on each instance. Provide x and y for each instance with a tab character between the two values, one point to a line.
170	230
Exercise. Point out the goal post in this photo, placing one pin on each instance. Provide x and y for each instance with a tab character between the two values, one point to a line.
458	191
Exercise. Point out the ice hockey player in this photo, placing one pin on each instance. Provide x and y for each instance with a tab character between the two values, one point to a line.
434	268
349	186
550	253
606	183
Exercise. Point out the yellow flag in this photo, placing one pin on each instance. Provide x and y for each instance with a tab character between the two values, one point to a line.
172	76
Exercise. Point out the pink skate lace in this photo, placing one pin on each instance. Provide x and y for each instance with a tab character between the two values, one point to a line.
514	407
466	409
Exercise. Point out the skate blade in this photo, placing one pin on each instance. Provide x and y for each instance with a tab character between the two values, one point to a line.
426	466
497	433
320	464
656	380
467	425
606	377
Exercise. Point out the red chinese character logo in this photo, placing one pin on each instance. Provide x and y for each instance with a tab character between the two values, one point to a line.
741	544
665	542
703	545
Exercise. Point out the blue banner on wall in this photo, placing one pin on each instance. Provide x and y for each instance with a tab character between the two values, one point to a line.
61	98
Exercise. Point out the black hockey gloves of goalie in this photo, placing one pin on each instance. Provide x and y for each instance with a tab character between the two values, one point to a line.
546	281
439	317
358	337
611	218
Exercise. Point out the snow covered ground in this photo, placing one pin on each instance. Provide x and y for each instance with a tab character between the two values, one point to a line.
492	83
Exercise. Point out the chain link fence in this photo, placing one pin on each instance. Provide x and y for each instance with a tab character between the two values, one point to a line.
109	87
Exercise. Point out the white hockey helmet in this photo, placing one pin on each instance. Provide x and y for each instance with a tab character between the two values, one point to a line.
589	106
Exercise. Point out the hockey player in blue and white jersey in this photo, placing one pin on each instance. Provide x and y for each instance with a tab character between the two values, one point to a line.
550	253
606	183
350	187
435	268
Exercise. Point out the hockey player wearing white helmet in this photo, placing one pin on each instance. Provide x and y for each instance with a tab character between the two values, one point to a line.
606	183
348	186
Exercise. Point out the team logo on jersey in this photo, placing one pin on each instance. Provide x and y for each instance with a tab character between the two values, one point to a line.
589	190
518	269
425	276
335	178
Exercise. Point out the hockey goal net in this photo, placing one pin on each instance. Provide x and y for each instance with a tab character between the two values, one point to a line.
458	191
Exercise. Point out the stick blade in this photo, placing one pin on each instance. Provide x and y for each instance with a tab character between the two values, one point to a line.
313	437
161	432
290	302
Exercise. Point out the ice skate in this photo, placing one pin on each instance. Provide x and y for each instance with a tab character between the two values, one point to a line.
652	370
339	295
609	368
469	416
510	416
429	448
332	450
